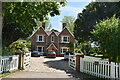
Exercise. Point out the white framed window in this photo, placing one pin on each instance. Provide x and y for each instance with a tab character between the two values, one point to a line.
40	38
52	38
40	49
64	49
65	39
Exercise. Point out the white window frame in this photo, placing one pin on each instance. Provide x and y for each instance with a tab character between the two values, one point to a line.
42	38
64	48
42	49
68	39
52	38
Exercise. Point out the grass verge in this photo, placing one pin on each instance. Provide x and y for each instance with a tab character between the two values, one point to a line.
7	73
91	77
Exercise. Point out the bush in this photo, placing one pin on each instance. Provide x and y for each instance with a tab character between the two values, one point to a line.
107	34
6	52
19	46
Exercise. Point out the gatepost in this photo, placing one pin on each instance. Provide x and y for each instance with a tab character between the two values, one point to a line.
20	63
78	56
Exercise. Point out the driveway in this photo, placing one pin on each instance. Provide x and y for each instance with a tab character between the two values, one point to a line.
42	67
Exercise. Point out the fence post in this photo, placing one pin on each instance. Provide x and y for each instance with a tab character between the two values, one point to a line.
20	65
17	61
0	64
69	60
81	64
112	70
78	62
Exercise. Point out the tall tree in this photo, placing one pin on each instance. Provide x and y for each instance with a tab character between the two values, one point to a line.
69	20
94	12
19	18
107	34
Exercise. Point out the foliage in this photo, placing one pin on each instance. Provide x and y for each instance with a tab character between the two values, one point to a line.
87	49
47	25
94	12
69	20
107	33
19	46
77	48
70	44
6	52
19	18
83	48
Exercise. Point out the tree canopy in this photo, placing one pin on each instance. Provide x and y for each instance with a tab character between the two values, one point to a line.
107	34
48	25
19	18
69	20
93	12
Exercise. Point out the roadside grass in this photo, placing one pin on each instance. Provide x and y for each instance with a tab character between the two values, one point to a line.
78	53
94	55
7	73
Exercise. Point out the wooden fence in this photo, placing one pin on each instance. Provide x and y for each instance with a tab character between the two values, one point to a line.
72	61
8	63
26	60
99	67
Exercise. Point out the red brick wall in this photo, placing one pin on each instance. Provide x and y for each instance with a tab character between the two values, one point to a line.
34	44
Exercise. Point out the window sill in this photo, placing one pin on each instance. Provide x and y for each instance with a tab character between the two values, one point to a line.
40	41
52	41
65	42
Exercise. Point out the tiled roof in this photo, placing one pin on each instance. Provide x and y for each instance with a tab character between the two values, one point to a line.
55	31
49	32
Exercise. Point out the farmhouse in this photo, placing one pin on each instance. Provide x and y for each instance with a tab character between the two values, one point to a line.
60	42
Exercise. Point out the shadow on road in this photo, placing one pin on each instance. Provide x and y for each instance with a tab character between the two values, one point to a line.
63	65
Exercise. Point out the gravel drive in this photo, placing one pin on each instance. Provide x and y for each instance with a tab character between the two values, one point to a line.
42	67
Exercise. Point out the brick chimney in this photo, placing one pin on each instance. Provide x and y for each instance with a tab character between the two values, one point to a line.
63	25
43	25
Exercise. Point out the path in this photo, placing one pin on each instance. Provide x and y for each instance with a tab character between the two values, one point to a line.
47	68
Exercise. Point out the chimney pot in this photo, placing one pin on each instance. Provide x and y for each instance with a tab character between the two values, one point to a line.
63	25
43	25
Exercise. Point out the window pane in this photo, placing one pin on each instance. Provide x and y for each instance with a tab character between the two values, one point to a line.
40	38
43	49
52	38
68	39
61	50
40	49
65	39
64	50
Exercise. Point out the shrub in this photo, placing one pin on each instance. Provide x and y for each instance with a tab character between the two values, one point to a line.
19	46
107	34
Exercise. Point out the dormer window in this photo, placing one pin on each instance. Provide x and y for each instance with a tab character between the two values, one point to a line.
40	38
52	38
65	39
